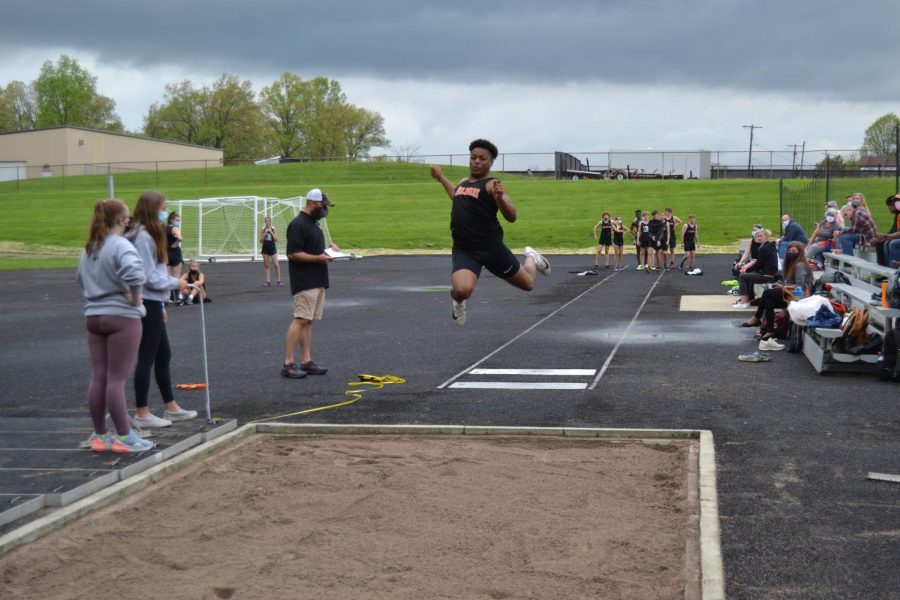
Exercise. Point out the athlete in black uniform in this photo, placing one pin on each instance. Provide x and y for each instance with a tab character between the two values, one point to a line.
690	242
618	241
604	239
268	236
477	235
173	250
671	223
636	234
644	242
658	234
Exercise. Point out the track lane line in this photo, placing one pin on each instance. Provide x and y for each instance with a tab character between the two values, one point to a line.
507	344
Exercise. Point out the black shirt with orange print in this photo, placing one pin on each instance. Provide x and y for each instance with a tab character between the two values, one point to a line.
473	218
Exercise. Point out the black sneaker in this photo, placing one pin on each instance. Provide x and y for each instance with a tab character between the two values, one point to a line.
292	371
312	368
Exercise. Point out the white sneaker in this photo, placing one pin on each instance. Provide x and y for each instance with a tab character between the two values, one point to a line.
738	304
150	420
459	312
770	345
179	415
540	263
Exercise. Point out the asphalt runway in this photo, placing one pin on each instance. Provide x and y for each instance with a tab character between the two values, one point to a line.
799	519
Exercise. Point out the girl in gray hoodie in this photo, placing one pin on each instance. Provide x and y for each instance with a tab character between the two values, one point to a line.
111	276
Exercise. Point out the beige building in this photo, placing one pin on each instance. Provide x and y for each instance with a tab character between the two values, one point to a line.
58	151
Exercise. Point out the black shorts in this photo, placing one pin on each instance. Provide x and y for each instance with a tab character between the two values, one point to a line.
175	258
672	243
645	241
268	248
605	238
618	240
690	245
493	256
662	244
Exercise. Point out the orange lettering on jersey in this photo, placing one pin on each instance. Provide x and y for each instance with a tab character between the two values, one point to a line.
468	191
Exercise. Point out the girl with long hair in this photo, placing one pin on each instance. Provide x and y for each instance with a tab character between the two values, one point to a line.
796	273
155	354
111	276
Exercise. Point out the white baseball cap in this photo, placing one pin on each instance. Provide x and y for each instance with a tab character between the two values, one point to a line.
317	195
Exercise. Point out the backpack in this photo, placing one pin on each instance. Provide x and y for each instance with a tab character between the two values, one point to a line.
889	362
893	292
833	277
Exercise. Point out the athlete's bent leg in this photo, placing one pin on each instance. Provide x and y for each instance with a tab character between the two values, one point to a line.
463	283
525	276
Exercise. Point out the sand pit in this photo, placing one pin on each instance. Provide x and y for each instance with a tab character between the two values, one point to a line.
386	516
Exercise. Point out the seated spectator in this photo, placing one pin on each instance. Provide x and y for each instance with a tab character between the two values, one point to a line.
796	273
792	231
887	245
838	217
194	277
823	235
763	269
859	231
749	252
857	200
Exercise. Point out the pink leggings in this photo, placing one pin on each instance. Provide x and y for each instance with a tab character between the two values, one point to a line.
113	343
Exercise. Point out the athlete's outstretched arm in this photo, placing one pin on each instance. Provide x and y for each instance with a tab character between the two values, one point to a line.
438	174
504	202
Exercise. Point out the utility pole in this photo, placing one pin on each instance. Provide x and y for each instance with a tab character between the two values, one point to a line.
802	156
793	160
750	155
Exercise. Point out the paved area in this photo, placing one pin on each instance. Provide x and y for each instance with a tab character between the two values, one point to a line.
799	519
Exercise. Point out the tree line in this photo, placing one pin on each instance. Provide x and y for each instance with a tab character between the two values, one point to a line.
291	118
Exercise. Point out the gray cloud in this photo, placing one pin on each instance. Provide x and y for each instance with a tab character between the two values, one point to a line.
837	49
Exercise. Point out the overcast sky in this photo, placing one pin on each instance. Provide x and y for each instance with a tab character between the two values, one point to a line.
533	76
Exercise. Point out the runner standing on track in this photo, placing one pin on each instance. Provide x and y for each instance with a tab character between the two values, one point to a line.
477	234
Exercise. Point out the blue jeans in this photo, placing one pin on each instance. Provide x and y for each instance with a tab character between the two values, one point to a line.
847	241
892	250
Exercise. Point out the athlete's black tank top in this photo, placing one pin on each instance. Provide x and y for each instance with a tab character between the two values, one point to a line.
473	218
689	232
172	241
670	225
606	228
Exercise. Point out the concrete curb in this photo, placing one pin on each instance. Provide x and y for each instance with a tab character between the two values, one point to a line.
711	565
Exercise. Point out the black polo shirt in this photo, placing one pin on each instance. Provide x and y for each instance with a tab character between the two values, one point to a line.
305	235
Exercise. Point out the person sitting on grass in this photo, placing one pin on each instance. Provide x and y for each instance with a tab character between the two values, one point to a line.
759	270
194	277
797	272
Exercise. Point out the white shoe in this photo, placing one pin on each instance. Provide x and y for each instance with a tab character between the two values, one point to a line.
150	420
770	345
738	304
459	312
540	263
179	415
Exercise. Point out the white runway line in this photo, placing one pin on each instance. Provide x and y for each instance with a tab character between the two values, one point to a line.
624	335
518	385
540	372
572	301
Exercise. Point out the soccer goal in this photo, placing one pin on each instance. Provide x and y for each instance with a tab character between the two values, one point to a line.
227	229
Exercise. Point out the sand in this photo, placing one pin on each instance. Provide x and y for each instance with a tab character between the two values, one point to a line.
385	517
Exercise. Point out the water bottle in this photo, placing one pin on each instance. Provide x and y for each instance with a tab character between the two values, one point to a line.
798	292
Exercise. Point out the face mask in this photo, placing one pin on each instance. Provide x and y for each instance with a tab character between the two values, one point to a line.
177	223
784	224
897	205
829	219
855	203
320	213
618	220
753	233
163	216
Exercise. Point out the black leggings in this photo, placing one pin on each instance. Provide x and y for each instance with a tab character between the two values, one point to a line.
770	300
154	354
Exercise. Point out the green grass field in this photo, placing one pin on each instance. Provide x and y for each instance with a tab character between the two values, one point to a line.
390	206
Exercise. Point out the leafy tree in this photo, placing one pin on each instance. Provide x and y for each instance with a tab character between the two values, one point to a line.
233	119
837	162
880	139
362	130
66	94
224	116
282	105
17	107
180	116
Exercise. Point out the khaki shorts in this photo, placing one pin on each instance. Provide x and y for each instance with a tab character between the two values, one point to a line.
309	304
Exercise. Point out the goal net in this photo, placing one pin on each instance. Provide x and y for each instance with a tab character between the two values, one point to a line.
227	229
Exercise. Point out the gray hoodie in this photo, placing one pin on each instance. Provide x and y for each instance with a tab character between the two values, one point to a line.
109	273
159	282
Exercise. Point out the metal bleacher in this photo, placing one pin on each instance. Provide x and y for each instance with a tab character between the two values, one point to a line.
863	292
